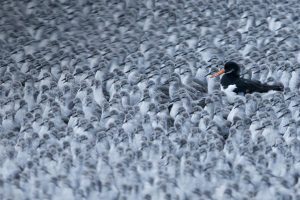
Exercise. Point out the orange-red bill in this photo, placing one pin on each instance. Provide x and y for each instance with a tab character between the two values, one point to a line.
222	71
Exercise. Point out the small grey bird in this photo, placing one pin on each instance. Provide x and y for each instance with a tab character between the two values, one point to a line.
98	92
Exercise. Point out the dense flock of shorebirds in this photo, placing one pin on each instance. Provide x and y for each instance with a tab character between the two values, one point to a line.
113	100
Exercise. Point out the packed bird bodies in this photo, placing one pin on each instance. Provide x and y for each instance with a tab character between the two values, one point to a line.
113	100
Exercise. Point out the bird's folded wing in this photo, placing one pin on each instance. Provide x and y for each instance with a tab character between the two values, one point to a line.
250	86
164	90
198	85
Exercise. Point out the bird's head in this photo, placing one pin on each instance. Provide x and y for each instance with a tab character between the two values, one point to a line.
230	67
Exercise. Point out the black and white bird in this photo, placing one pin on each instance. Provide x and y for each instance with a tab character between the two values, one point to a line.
231	78
113	100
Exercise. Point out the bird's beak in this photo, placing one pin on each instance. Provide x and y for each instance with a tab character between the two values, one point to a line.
222	71
260	128
295	105
287	124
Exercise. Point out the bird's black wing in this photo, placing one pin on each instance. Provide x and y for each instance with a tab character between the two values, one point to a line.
250	86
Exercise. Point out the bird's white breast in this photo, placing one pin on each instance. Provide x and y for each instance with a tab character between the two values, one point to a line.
231	95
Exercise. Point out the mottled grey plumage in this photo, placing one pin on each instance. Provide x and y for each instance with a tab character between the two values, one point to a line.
113	100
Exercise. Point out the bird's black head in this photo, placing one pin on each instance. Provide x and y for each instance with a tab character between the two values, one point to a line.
232	68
